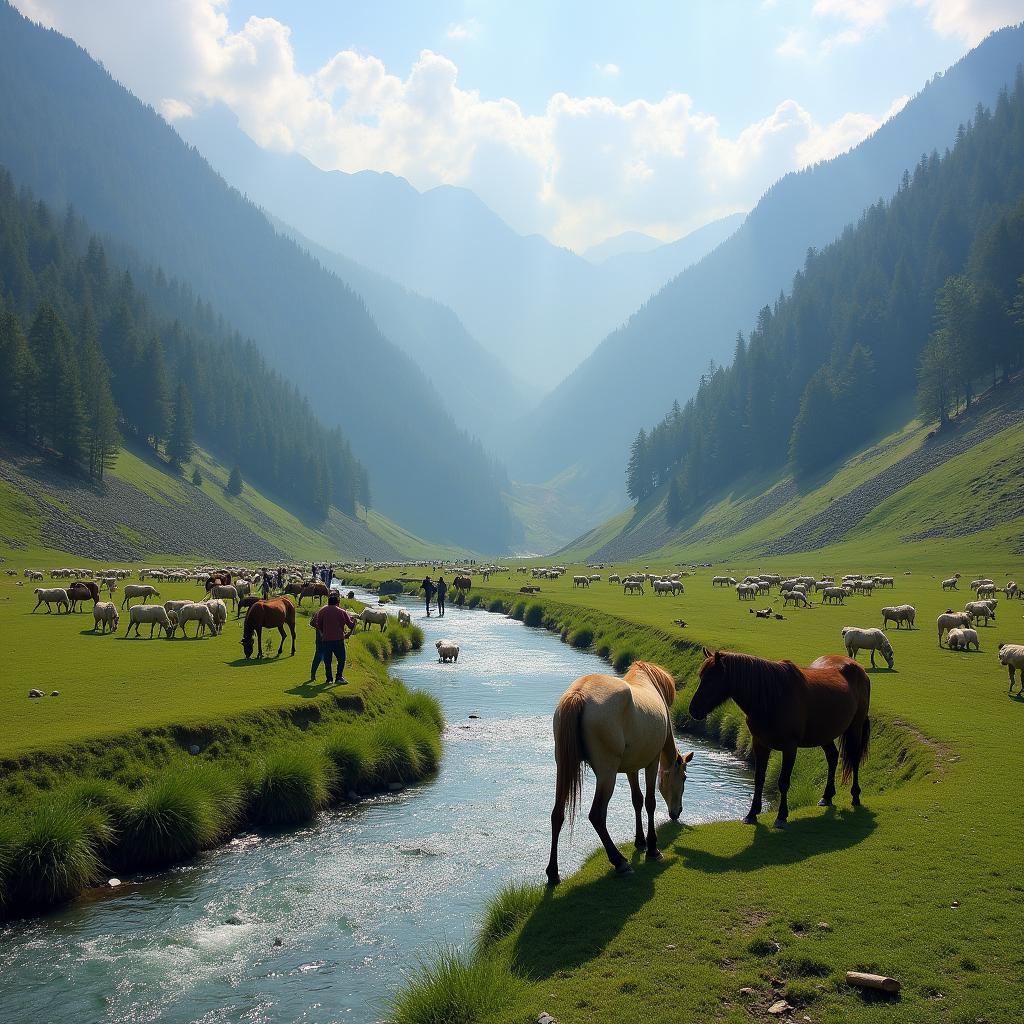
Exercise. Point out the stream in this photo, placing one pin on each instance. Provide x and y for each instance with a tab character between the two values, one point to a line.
360	896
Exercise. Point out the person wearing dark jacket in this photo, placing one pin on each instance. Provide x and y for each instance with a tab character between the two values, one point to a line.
331	623
428	588
442	589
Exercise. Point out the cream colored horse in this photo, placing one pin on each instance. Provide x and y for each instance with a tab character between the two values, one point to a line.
617	725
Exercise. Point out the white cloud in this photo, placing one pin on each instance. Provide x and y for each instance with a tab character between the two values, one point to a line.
463	30
580	170
608	70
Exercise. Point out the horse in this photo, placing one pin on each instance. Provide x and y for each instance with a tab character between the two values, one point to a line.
245	603
312	590
275	613
462	583
789	707
217	579
617	725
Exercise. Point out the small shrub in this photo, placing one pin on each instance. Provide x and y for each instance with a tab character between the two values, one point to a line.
171	819
534	615
197	477
518	610
452	986
603	647
581	638
289	786
426	707
393	750
507	910
349	751
54	855
475	601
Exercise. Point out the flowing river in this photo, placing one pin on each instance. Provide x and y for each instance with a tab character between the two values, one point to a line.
327	920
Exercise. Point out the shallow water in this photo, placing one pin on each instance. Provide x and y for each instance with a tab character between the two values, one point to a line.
357	897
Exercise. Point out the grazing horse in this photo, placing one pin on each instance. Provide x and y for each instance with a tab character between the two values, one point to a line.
312	590
462	583
275	613
617	725
244	603
789	707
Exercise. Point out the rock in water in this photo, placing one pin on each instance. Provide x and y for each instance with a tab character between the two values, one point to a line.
234	919
395	787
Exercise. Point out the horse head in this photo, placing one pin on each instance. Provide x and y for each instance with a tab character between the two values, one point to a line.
713	688
672	783
247	645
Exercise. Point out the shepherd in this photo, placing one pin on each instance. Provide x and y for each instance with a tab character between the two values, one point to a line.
427	586
789	707
617	726
274	614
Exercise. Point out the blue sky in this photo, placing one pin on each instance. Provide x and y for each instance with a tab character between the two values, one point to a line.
574	120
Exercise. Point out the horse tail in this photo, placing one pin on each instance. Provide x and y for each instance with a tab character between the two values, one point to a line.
569	756
854	743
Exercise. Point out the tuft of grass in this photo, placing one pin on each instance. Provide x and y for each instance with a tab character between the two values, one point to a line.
394	751
55	853
581	638
534	615
426	707
452	987
622	658
289	786
349	751
416	637
171	819
506	911
497	605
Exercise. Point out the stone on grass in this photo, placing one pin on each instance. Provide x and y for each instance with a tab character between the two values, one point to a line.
777	1009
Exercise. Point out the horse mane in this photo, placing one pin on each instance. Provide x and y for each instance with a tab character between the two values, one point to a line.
662	680
758	684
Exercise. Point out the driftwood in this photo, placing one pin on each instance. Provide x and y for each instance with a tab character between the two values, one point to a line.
876	981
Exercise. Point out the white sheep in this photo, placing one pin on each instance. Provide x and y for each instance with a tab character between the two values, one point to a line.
219	611
404	618
614	578
199	613
834	595
950	584
664	586
225	593
961	638
52	595
858	639
985	589
155	615
980	610
138	590
104	613
447	651
580	581
374	615
1012	656
798	597
899	613
950	619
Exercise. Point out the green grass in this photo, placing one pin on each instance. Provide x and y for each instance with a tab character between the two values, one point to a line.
289	786
735	907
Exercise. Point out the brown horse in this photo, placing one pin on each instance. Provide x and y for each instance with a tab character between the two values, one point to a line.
462	583
312	590
82	590
275	613
789	707
617	725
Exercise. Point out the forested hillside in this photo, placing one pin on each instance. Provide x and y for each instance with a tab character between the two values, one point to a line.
666	346
84	356
72	134
925	290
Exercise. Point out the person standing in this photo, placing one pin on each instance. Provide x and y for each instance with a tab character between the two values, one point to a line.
442	590
333	624
427	586
265	584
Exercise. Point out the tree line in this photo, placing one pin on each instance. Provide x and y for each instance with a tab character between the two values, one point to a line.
91	352
927	282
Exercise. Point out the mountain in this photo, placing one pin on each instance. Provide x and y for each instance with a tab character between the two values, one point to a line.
661	353
618	245
475	386
537	307
72	134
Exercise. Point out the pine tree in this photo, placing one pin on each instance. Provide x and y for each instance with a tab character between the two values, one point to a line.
181	442
151	406
674	507
234	486
956	318
810	446
17	377
197	477
936	379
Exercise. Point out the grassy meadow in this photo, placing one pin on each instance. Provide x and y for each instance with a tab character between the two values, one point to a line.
922	883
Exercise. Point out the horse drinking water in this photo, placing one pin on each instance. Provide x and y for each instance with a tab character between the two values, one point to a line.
617	725
789	707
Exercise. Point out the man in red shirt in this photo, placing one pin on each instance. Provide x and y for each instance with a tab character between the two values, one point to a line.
331	624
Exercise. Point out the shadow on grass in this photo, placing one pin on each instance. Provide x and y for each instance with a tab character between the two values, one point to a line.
254	662
308	689
833	829
573	925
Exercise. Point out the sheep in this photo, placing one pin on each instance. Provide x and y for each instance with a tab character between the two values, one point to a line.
950	620
886	581
224	593
722	581
614	578
834	595
374	615
664	587
155	615
633	587
595	577
899	613
447	651
677	587
951	583
138	590
961	638
198	612
404	618
980	610
1011	590
33	574
243	587
796	596
746	591
981	581
219	611
52	595
857	639
1012	656
580	581
986	589
104	613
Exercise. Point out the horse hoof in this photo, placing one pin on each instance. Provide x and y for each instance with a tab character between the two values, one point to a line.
655	855
825	801
750	819
781	823
623	869
641	845
554	879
